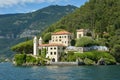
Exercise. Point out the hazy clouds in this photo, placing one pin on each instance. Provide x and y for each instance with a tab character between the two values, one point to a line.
9	3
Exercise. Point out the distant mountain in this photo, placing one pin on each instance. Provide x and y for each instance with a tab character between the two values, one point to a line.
23	25
13	27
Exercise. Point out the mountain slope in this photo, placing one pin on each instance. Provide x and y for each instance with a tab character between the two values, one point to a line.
97	15
13	27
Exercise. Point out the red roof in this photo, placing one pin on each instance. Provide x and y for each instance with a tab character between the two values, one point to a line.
52	44
81	30
61	32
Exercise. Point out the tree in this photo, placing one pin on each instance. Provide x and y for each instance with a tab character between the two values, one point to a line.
47	37
43	53
26	47
20	59
85	42
116	52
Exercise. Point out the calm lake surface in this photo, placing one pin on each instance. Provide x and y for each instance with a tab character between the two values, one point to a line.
10	72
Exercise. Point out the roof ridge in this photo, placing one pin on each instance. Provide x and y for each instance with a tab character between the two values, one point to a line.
62	32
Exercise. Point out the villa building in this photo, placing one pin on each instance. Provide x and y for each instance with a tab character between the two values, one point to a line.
61	42
61	37
81	33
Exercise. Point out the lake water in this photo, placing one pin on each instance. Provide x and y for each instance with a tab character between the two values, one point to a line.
10	72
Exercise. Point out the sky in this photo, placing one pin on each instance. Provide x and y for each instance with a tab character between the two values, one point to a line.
25	6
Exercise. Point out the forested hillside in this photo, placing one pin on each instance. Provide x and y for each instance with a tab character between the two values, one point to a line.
97	15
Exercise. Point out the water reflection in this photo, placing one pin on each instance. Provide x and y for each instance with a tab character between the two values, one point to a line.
10	72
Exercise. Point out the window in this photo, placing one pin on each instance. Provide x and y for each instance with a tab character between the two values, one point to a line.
59	39
54	47
59	36
54	53
65	36
56	40
51	48
51	53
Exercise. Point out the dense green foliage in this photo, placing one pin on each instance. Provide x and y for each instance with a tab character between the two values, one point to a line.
26	47
115	45
88	61
20	59
97	15
23	59
85	42
90	58
47	37
43	53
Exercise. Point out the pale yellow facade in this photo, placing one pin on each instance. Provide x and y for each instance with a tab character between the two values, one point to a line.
54	52
81	33
62	39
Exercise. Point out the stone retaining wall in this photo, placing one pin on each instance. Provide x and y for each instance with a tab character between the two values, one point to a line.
64	63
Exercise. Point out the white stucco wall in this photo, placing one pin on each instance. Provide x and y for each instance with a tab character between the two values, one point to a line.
54	52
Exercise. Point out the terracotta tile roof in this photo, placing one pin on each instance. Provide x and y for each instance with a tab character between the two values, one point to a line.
81	30
52	44
61	32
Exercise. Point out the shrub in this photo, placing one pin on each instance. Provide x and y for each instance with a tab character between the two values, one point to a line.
43	53
95	56
30	59
101	54
85	41
70	56
88	61
116	52
110	61
20	59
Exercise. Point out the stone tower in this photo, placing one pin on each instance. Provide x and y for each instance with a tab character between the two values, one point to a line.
40	41
35	46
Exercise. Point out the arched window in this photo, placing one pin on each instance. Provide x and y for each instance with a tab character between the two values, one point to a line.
53	60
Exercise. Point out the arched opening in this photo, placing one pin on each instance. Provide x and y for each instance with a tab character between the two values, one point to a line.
53	60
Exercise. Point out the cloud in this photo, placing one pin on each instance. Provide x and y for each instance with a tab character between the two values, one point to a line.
9	3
